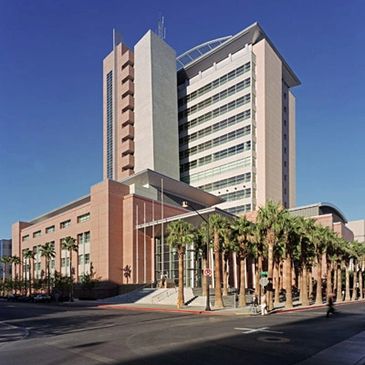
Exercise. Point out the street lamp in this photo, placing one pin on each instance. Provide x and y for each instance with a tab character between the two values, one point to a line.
185	204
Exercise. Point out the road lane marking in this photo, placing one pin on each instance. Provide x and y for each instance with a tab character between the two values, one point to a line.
248	331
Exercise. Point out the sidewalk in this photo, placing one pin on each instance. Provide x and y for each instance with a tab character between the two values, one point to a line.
227	311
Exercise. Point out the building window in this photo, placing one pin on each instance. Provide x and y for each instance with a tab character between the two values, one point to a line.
83	218
109	123
81	259
87	258
37	234
216	98
50	229
65	224
25	238
216	156
63	262
284	109
216	83
225	138
216	112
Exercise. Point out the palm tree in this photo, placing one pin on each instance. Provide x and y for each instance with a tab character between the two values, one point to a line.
321	238
180	234
270	223
291	239
200	245
28	256
15	260
70	244
243	234
227	247
48	252
216	223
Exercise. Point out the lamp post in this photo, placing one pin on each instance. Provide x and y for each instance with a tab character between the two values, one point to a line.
186	205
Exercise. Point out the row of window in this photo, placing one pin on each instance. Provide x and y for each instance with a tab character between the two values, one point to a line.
225	138
216	127
216	98
239	209
109	118
216	83
80	219
236	195
216	171
216	112
225	183
227	152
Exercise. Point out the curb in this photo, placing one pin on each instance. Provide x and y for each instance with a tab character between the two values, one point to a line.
171	310
314	306
223	312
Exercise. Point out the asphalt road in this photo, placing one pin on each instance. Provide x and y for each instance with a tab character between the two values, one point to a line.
48	335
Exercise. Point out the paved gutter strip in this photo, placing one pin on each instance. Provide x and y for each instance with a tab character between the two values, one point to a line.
219	312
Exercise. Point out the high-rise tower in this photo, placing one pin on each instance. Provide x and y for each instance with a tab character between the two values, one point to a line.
237	121
225	116
118	111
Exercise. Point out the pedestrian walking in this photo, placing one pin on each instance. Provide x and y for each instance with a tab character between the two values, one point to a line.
263	305
330	304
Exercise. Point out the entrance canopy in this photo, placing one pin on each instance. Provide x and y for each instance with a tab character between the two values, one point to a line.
190	217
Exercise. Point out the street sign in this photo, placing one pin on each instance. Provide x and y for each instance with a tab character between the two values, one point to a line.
208	272
263	273
264	281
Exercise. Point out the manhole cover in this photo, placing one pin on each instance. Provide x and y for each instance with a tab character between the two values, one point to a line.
273	339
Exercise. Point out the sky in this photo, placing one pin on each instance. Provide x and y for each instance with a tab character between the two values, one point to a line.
51	54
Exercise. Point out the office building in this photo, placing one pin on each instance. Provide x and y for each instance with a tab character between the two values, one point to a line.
217	131
5	251
229	125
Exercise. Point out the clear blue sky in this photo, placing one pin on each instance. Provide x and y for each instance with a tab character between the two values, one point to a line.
51	54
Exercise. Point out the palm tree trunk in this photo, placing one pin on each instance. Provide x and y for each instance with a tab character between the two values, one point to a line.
180	296
360	283
225	274
242	297
277	284
217	269
204	279
339	282
288	283
354	285
305	300
319	299
270	267
328	279
30	277
71	280
310	284
347	295
258	269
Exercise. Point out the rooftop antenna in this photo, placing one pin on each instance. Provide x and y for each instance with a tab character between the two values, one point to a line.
161	29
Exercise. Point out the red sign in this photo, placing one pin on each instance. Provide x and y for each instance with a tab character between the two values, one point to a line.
207	272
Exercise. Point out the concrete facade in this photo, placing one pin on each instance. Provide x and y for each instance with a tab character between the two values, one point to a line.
358	228
156	133
105	226
118	112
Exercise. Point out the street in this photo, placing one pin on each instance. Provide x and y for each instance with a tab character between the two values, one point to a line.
50	335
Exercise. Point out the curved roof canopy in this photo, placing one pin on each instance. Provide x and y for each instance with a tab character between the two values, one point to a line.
320	209
197	51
